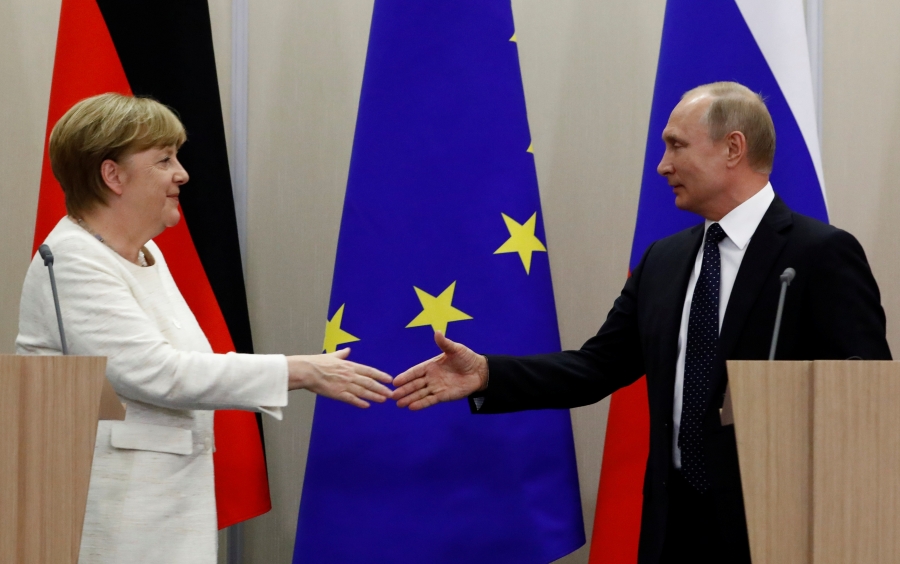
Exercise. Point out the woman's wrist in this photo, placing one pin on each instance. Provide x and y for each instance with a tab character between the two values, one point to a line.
298	372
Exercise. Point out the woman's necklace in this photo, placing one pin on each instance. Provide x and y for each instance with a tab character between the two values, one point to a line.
141	261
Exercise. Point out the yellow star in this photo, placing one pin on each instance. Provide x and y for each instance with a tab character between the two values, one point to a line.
530	148
513	38
334	335
437	311
522	240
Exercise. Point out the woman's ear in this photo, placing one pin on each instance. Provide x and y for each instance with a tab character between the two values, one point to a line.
113	176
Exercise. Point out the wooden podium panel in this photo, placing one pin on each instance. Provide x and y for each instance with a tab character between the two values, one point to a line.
856	467
819	452
771	403
49	407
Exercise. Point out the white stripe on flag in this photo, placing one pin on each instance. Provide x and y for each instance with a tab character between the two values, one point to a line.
779	27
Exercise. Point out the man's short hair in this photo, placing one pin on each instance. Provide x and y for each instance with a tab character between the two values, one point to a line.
108	126
735	107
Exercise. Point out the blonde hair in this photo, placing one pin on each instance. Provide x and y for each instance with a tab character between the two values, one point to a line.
108	126
735	107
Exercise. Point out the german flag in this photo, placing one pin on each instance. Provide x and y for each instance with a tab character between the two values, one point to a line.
164	49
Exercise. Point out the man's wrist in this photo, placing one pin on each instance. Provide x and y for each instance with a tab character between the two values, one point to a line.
485	375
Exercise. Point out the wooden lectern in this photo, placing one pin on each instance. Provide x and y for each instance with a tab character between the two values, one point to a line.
49	408
819	450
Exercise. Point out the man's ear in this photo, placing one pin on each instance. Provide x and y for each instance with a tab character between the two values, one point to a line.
113	176
736	145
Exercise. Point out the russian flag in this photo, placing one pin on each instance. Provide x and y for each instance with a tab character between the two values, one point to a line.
763	45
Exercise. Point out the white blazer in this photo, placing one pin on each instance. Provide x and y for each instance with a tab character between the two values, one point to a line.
151	495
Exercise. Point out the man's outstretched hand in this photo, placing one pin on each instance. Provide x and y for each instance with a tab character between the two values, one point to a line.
454	374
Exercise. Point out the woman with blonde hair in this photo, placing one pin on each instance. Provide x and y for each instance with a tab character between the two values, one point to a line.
151	496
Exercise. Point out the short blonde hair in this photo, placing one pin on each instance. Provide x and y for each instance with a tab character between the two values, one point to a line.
108	126
735	107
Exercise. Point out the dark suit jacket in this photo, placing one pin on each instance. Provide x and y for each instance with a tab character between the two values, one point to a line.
832	311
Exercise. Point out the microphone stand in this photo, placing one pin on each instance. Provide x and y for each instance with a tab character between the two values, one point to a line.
726	413
786	278
44	250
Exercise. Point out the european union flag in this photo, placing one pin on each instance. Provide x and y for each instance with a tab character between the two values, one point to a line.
442	229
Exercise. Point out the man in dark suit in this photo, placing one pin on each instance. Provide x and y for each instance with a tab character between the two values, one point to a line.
697	298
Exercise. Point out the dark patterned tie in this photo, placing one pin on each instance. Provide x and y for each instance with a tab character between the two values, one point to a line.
702	342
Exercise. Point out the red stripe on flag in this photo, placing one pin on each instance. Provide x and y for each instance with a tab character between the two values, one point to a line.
86	65
617	521
242	486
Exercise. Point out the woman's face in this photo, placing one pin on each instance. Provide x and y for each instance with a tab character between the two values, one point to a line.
152	180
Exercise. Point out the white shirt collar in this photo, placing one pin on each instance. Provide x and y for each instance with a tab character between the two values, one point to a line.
740	224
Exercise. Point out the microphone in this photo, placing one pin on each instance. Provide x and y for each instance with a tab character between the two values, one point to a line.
47	255
726	412
786	277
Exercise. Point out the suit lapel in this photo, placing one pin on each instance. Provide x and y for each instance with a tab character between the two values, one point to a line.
682	264
764	248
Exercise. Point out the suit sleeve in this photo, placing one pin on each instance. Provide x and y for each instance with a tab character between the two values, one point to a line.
608	361
844	304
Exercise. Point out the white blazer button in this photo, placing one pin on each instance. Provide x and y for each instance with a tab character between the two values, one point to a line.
175	323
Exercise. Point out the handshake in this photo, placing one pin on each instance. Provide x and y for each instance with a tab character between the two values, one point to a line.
454	374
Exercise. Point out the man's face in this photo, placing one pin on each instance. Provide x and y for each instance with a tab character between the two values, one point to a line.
693	164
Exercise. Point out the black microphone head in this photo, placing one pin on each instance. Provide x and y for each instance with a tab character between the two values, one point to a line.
46	254
788	275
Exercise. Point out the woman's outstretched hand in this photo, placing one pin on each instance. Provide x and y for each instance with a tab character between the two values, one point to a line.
332	376
454	374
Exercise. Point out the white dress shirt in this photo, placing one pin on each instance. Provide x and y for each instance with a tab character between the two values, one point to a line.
739	226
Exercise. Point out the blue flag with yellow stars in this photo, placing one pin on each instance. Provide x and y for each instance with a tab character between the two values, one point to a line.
441	230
